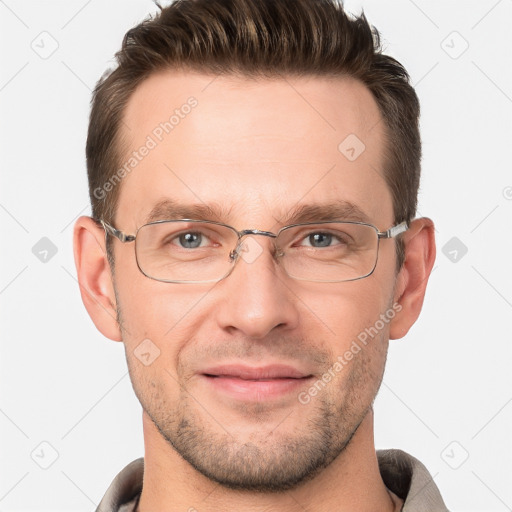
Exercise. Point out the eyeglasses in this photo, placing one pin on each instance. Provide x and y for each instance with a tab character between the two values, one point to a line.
198	251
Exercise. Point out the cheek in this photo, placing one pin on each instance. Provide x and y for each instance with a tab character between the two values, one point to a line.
343	311
153	382
166	314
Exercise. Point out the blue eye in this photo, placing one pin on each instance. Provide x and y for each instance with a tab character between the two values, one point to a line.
190	240
320	239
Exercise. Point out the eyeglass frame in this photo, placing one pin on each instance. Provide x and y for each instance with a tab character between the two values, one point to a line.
392	232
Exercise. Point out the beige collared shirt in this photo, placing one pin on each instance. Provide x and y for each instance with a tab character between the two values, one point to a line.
406	477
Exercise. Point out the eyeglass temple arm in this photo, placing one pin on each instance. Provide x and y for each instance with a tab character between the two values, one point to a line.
115	232
394	231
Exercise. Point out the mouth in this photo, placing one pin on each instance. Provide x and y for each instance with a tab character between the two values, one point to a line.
255	383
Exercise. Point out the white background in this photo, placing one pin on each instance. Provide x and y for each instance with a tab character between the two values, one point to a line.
447	391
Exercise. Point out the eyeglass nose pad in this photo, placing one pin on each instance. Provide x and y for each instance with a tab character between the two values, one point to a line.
233	255
278	252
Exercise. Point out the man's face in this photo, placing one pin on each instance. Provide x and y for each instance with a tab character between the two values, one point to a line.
254	151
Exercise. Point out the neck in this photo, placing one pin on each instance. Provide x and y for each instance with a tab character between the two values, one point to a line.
352	482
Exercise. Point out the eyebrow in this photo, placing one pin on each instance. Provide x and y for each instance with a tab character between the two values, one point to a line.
169	209
339	210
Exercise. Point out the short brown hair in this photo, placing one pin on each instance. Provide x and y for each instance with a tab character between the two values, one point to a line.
257	38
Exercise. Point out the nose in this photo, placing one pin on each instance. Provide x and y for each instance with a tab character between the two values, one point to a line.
256	296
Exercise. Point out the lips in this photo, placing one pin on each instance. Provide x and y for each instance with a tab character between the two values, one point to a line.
270	372
254	384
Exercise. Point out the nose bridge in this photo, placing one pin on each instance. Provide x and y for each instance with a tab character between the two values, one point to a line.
256	302
240	247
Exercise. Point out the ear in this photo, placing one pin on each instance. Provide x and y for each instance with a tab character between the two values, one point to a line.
94	276
420	254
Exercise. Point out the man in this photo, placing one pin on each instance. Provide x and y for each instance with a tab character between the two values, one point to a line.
253	169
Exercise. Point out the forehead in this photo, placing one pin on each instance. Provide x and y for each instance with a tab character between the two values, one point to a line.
255	147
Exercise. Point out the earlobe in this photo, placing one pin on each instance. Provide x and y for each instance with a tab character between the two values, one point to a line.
411	284
94	276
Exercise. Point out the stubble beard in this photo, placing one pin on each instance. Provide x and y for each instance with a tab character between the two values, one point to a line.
272	460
